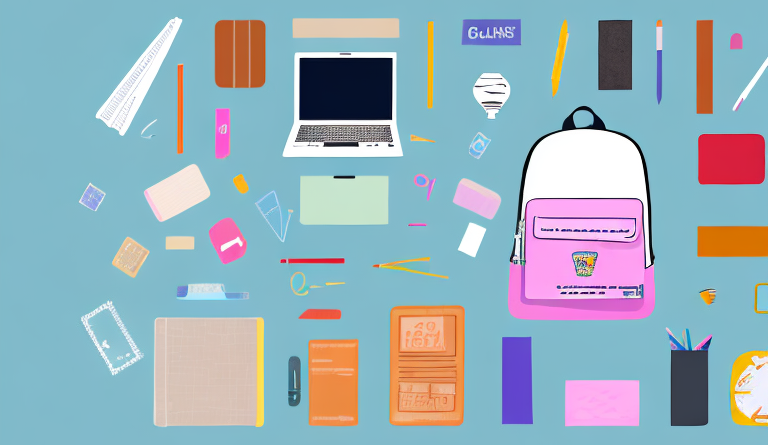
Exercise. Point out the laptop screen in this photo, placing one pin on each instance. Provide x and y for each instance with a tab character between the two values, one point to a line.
345	88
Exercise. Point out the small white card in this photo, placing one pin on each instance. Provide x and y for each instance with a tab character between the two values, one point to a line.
472	239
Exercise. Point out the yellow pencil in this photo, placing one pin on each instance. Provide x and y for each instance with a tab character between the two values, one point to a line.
430	62
559	56
335	284
401	262
413	271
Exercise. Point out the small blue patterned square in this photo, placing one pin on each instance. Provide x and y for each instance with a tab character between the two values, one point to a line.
92	197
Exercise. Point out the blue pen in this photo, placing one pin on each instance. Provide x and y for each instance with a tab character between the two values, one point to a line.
676	345
687	339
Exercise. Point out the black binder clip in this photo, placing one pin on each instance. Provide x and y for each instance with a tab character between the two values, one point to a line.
294	381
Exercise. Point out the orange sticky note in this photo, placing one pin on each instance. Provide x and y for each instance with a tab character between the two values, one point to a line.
733	241
240	183
333	382
130	257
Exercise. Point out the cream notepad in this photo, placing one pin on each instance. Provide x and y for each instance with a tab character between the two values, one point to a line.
179	243
209	371
177	193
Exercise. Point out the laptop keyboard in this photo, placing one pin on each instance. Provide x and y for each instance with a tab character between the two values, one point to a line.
344	133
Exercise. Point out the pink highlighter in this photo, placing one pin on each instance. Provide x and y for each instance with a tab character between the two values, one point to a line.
222	133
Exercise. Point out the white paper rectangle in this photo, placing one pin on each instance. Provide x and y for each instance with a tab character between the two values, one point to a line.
472	239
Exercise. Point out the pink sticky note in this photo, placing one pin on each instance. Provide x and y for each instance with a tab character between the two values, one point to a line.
226	238
222	133
602	403
473	196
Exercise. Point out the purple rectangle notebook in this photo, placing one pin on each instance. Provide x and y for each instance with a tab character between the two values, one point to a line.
516	381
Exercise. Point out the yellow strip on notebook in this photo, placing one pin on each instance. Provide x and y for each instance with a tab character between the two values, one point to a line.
259	371
346	28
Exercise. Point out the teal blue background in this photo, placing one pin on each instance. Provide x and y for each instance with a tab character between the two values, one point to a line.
60	62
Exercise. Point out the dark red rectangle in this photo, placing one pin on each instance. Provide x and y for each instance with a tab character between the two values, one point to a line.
731	159
312	261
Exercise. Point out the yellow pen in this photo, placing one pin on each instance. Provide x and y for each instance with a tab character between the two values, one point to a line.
413	271
559	56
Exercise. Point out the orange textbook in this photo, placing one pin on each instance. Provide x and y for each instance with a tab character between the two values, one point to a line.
333	382
426	384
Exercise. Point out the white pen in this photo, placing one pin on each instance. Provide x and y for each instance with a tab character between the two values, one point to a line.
752	83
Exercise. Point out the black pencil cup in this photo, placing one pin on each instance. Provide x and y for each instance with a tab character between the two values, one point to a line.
689	388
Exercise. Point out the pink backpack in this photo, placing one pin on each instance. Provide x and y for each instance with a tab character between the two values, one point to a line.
583	242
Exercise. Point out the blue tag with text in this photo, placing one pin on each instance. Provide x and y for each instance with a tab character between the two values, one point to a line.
491	32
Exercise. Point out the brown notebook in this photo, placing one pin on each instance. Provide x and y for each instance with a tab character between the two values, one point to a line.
333	382
209	371
240	53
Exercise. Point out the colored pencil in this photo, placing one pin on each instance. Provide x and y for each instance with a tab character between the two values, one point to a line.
745	93
412	271
674	341
430	62
180	115
704	345
417	225
312	261
559	56
401	262
658	61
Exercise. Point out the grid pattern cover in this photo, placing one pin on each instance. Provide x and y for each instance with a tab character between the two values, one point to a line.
209	371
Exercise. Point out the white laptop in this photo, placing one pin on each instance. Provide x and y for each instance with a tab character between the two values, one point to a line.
344	106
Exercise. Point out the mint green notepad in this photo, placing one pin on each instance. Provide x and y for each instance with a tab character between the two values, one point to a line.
344	200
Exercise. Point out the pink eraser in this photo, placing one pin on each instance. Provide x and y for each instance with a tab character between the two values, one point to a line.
222	133
736	41
475	197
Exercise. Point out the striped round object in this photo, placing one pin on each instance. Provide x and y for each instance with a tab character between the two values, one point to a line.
491	91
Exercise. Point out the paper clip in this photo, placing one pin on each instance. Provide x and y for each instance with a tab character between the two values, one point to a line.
304	289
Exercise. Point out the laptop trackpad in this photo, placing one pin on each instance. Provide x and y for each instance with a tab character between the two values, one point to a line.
340	144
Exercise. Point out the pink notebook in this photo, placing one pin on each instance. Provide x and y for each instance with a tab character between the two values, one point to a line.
584	249
602	403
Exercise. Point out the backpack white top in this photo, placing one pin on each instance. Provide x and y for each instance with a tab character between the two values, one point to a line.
587	163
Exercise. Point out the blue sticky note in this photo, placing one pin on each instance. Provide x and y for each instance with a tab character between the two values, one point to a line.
92	197
491	32
761	298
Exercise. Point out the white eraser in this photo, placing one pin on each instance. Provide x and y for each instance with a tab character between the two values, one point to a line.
472	239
